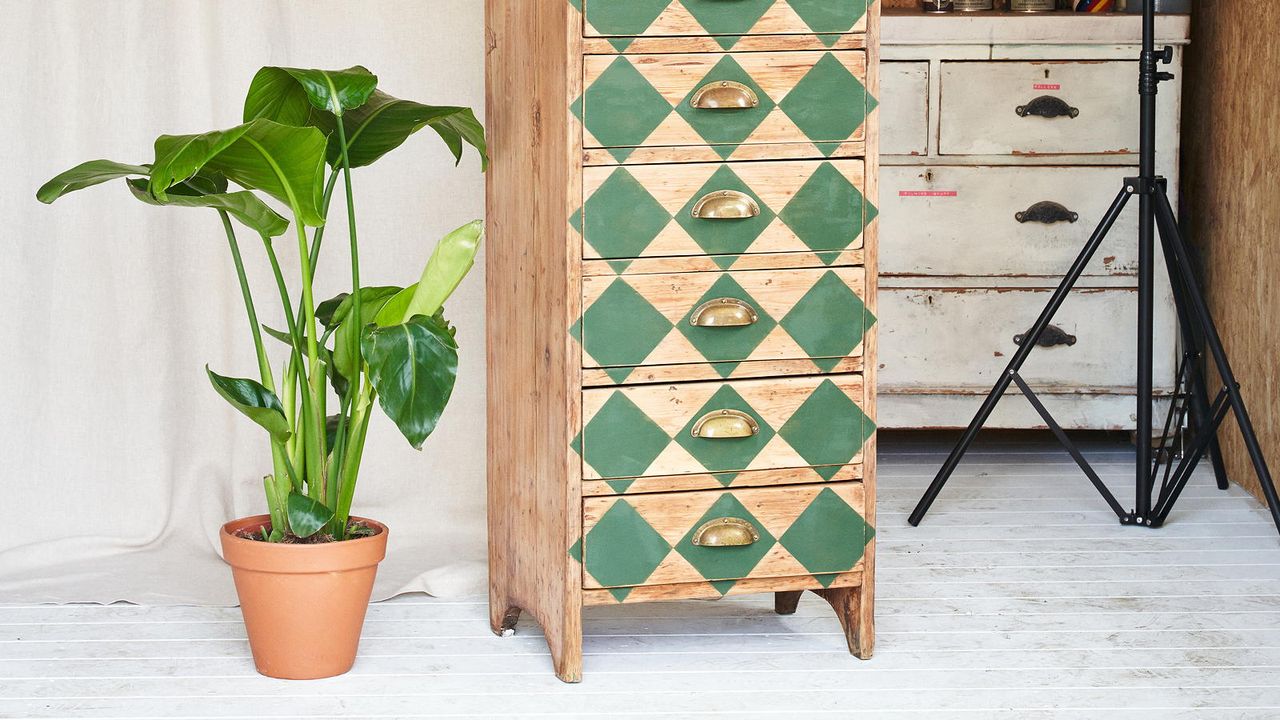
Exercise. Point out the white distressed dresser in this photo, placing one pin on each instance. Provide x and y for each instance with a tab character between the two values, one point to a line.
1005	137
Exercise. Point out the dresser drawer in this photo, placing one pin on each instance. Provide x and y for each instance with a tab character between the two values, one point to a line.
726	101
1020	108
947	220
668	538
724	427
723	209
607	18
904	108
724	318
962	338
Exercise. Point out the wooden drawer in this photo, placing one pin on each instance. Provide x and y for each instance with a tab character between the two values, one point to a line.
944	220
649	430
607	18
803	530
671	210
904	108
723	318
678	100
981	101
962	338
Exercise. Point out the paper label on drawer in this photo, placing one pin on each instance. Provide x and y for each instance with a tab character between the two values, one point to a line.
928	193
1046	86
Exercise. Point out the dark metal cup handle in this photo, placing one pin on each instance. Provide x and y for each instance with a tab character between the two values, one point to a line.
1053	336
1047	106
1046	212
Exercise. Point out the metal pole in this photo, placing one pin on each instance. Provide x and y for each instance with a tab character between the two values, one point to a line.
1147	89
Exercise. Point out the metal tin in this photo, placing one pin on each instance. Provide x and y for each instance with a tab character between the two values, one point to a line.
974	5
1032	5
937	6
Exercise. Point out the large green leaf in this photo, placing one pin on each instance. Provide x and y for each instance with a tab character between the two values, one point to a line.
450	262
384	122
284	161
306	515
243	205
287	95
413	367
371	301
87	174
256	402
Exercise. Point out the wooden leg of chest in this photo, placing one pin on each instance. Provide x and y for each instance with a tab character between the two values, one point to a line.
853	608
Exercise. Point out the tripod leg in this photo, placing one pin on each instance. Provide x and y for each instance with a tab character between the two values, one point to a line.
1197	386
1028	344
1213	342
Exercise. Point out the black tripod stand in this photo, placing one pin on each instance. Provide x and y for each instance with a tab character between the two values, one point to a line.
1190	404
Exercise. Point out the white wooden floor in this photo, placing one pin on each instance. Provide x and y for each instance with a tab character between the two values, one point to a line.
1020	597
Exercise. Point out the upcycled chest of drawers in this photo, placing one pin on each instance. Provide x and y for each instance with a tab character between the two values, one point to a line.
1005	139
681	269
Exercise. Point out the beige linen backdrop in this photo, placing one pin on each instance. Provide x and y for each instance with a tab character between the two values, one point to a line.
117	460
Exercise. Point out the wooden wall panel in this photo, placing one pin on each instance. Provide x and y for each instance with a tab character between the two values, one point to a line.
1230	191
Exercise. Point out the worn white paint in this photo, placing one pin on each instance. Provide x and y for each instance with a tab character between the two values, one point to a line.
1019	597
904	108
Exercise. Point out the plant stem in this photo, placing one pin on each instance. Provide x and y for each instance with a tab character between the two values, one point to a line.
313	392
353	382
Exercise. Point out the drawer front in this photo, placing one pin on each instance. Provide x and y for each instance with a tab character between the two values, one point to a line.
706	427
806	530
606	18
724	100
1001	220
723	210
1066	108
904	108
962	338
723	318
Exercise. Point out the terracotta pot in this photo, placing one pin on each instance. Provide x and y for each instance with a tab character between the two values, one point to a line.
303	605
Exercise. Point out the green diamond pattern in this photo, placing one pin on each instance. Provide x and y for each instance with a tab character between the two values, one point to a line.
622	549
621	328
629	17
622	108
726	129
827	430
829	321
827	211
828	103
725	455
718	17
723	344
622	218
828	535
830	16
621	441
720	238
725	563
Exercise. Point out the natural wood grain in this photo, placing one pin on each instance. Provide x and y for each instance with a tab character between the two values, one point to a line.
747	151
1230	202
750	478
532	60
860	632
707	263
707	591
778	19
687	372
749	43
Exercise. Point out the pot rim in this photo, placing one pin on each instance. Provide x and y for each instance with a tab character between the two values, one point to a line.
265	520
256	555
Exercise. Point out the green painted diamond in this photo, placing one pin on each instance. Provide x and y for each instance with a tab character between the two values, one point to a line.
827	537
827	211
622	218
725	563
726	128
830	16
828	429
629	17
828	103
718	17
621	327
621	441
623	549
719	455
724	237
829	321
622	109
723	344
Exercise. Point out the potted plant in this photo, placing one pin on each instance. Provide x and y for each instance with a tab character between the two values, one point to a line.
304	571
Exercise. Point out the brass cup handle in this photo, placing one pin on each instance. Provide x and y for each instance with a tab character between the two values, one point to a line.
725	532
724	312
1046	212
724	95
725	424
1053	336
725	205
1047	106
